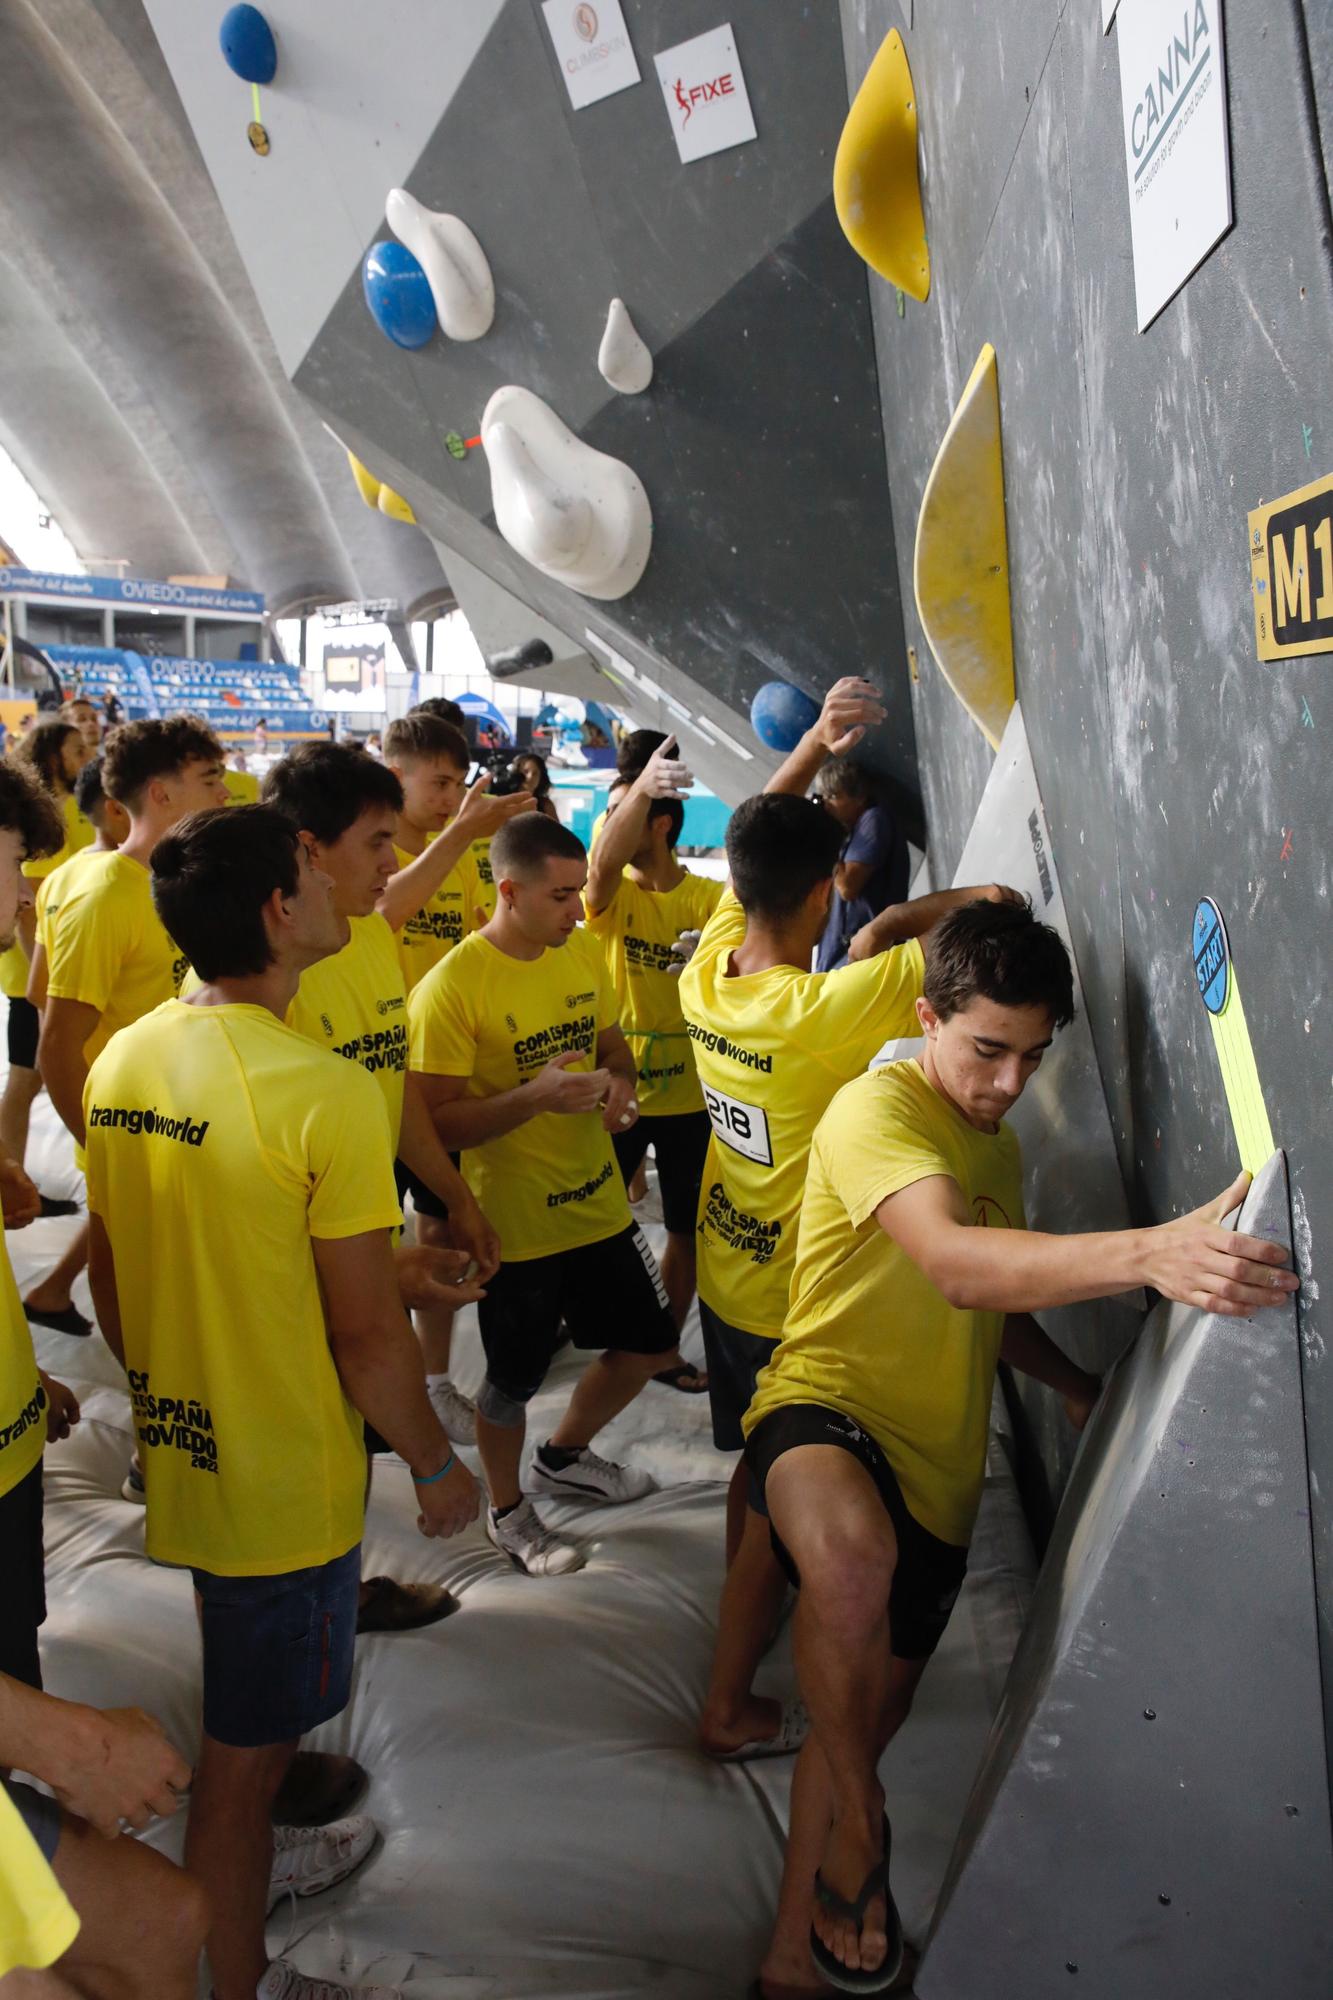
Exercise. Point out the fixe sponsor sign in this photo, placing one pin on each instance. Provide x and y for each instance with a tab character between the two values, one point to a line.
703	88
1291	560
1173	99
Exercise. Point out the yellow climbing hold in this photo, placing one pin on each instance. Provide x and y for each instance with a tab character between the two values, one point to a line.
376	494
876	185
962	557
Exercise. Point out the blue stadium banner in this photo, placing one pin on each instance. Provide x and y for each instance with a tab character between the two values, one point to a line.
130	590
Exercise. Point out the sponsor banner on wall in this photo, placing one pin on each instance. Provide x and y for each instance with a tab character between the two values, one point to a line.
129	590
593	48
1173	91
704	90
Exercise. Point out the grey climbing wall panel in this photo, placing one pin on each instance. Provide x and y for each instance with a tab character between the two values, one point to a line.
1151	1817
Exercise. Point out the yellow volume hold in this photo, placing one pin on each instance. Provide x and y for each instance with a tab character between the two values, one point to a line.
876	183
962	557
376	494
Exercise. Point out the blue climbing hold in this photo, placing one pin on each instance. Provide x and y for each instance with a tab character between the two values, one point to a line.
247	43
398	293
781	714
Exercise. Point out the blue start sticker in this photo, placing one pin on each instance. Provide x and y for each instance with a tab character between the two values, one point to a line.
1212	955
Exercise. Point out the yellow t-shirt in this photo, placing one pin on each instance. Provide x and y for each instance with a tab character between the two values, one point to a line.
79	833
109	949
442	923
553	1183
22	1397
227	1142
637	930
479	854
242	787
51	893
867	1332
37	1920
355	1003
772	1049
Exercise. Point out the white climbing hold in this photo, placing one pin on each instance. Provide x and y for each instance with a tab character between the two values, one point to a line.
576	514
454	262
623	358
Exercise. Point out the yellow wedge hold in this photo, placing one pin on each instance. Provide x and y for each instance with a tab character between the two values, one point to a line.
377	495
962	557
876	183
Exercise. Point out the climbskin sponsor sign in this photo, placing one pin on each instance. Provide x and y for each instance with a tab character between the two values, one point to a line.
592	47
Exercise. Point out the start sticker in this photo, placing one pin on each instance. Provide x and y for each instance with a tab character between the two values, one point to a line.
1212	955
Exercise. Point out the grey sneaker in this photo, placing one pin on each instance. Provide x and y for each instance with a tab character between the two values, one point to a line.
457	1413
309	1859
530	1545
282	1981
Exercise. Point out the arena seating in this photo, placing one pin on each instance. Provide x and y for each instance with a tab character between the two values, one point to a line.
230	694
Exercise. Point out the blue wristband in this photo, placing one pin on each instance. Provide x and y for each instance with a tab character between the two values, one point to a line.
446	1467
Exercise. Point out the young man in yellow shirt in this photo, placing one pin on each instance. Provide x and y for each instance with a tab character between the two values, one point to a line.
525	1069
479	853
347	806
915	1274
110	960
773	1042
232	1145
638	901
88	1759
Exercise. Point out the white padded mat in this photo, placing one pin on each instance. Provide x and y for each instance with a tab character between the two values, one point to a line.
549	1827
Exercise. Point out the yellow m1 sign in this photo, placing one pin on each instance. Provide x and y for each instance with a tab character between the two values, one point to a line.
1291	557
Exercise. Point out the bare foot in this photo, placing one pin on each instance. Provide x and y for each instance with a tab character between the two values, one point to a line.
852	1850
46	1298
796	1977
757	1721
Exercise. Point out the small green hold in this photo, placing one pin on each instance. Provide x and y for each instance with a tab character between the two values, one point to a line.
455	445
902	306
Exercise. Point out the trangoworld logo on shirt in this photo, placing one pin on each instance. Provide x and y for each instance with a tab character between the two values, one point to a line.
583	1193
173	1423
385	1048
718	1045
644	955
154	1124
33	1410
533	1052
746	1233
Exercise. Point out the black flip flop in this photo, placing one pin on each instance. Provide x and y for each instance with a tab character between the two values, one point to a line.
68	1319
51	1206
672	1378
849	1979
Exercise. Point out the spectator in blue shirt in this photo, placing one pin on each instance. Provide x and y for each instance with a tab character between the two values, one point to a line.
873	867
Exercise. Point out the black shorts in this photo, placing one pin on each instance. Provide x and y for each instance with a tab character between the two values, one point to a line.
929	1573
24	1023
39	1813
680	1146
734	1359
424	1200
23	1567
608	1295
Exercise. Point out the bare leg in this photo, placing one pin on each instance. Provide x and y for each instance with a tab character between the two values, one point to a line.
501	1450
53	1293
678	1261
16	1101
607	1386
142	1920
24	1985
229	1846
751	1600
826	1509
434	1324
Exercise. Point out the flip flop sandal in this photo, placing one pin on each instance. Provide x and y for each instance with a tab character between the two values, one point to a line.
65	1319
314	1792
849	1979
402	1607
793	1728
690	1381
51	1206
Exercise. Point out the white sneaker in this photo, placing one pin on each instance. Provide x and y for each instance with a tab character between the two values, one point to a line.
309	1859
282	1981
456	1412
593	1477
529	1544
132	1487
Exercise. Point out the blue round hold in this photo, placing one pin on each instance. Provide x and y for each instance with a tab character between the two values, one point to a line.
781	714
1212	955
398	293
247	43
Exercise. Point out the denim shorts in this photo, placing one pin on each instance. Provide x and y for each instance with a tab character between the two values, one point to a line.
277	1650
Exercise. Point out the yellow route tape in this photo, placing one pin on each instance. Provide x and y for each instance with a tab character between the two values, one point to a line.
1240	1080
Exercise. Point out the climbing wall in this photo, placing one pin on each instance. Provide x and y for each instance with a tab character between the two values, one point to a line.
1171	764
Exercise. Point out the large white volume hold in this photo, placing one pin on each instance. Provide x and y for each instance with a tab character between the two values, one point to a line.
454	262
576	514
622	358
